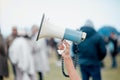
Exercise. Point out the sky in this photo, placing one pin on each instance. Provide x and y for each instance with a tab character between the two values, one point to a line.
64	13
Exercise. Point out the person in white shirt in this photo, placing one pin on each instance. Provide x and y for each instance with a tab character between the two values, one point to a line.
20	54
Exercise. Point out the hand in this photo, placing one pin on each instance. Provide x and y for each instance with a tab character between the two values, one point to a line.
66	47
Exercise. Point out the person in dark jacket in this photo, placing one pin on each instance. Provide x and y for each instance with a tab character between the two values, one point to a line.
90	53
114	53
3	60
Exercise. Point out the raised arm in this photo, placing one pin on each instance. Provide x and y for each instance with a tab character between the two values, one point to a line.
68	61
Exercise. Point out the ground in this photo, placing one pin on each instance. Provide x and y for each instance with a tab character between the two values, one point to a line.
55	72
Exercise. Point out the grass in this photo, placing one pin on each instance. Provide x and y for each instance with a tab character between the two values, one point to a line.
56	74
108	73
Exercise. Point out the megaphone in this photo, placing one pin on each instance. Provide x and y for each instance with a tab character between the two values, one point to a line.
48	29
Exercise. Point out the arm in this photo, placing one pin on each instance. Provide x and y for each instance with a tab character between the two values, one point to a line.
68	62
70	68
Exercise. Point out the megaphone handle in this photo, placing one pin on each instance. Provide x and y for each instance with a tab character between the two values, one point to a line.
61	51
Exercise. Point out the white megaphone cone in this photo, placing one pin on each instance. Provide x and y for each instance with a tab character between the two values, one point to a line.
49	30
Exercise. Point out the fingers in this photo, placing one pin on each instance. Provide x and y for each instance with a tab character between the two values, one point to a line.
66	43
61	46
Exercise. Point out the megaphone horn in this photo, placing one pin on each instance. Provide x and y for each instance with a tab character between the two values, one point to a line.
49	30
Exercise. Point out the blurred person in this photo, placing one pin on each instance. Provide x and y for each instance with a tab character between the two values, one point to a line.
40	54
13	35
114	52
3	59
20	54
68	61
90	52
9	41
52	43
56	41
119	43
106	39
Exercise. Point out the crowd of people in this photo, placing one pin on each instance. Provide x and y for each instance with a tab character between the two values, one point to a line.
29	57
26	56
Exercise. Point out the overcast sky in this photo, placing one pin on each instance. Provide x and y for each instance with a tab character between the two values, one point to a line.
65	13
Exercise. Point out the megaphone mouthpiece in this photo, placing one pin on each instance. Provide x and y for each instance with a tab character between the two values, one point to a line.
75	36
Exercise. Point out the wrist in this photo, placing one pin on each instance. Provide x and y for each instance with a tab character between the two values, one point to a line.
66	57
